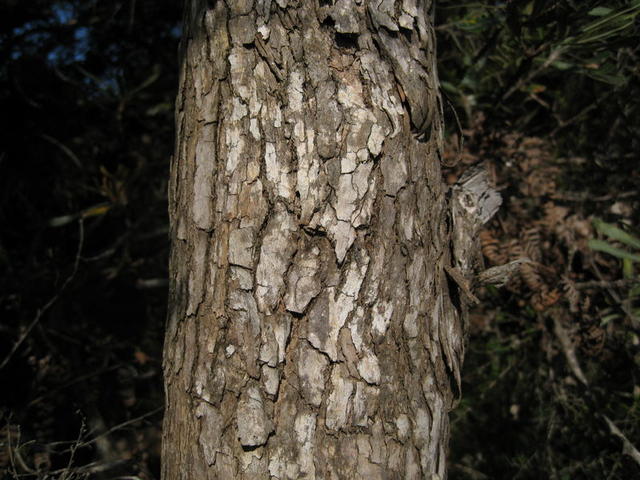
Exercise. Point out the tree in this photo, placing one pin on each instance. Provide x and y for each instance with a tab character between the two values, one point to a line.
318	273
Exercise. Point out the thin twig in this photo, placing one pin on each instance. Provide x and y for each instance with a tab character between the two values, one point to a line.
462	283
565	123
52	300
569	351
469	472
553	56
74	158
91	468
74	449
627	447
121	425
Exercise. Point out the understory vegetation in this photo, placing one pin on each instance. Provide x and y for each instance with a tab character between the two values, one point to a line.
545	92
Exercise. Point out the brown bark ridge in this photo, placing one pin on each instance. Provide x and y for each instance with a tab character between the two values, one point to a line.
312	330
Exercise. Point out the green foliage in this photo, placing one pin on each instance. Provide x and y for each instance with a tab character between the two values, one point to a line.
547	66
604	246
615	233
629	260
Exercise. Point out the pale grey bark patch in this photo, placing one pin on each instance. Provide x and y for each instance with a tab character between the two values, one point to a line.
344	13
242	277
203	185
369	368
376	139
303	280
269	347
343	235
197	273
403	426
346	197
252	206
312	367
473	203
253	425
305	428
211	425
339	401
278	171
394	172
278	247
357	328
381	317
365	404
270	380
331	310
241	244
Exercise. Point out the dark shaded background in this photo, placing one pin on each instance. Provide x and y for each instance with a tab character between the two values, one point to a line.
86	128
86	133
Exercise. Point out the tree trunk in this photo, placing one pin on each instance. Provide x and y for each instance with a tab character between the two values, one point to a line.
313	331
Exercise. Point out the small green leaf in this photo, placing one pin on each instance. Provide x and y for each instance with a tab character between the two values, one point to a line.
627	268
602	246
600	11
62	221
607	318
615	80
449	87
560	65
528	9
616	233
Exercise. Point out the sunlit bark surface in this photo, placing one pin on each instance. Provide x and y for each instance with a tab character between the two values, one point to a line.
312	330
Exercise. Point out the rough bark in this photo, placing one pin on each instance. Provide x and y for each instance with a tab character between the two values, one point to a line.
313	331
